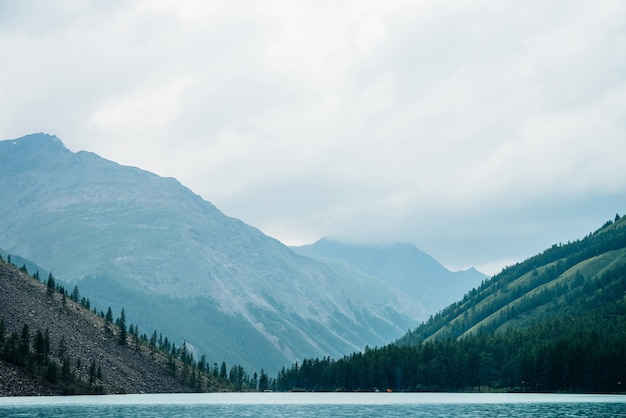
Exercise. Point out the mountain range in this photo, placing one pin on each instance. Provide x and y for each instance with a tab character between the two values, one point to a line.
131	239
404	267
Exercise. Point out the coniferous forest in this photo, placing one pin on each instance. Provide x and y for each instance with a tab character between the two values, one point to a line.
556	322
584	353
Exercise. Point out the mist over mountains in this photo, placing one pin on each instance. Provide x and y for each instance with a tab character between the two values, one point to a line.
402	266
131	239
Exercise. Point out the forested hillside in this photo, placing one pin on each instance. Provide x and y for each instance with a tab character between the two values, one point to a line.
52	343
555	322
588	271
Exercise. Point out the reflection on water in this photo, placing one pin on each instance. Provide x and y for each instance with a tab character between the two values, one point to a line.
318	405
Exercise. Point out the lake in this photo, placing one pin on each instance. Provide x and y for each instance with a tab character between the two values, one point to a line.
317	405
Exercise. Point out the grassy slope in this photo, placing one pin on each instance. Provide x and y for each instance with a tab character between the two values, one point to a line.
546	284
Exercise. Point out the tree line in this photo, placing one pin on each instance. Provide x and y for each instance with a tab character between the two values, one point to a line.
33	353
583	353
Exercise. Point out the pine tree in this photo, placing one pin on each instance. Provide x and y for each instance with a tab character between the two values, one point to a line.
2	332
75	294
109	316
223	374
263	381
66	372
46	341
51	284
39	346
153	343
24	342
122	325
92	372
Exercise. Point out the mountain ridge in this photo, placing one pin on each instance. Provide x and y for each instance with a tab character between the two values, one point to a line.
539	284
403	266
129	238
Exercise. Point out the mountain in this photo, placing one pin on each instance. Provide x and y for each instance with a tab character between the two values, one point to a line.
555	322
63	340
131	239
562	279
404	267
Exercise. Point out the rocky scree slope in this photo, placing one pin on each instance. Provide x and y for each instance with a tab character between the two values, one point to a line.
25	300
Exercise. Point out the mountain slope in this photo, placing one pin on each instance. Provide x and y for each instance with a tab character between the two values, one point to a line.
74	334
404	267
566	277
553	323
132	239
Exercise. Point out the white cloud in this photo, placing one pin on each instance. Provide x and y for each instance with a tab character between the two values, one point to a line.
430	122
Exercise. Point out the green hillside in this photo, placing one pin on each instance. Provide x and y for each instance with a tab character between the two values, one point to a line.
562	279
555	322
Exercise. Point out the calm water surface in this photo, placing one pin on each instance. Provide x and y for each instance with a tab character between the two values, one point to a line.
318	405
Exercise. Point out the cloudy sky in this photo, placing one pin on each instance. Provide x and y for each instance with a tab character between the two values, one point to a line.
481	131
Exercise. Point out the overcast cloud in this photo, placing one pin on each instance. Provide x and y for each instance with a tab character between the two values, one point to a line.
481	131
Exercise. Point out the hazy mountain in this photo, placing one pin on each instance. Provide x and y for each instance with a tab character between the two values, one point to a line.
133	239
404	267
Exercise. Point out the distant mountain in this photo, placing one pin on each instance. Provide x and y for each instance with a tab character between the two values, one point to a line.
131	239
404	267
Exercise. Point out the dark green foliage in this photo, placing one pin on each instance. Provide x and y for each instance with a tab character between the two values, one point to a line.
11	351
51	284
75	296
62	347
223	374
202	365
575	354
263	381
109	316
52	371
504	289
237	377
171	365
66	372
39	347
121	323
24	341
136	338
153	343
92	372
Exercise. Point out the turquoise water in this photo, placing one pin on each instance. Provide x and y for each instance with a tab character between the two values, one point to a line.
318	405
